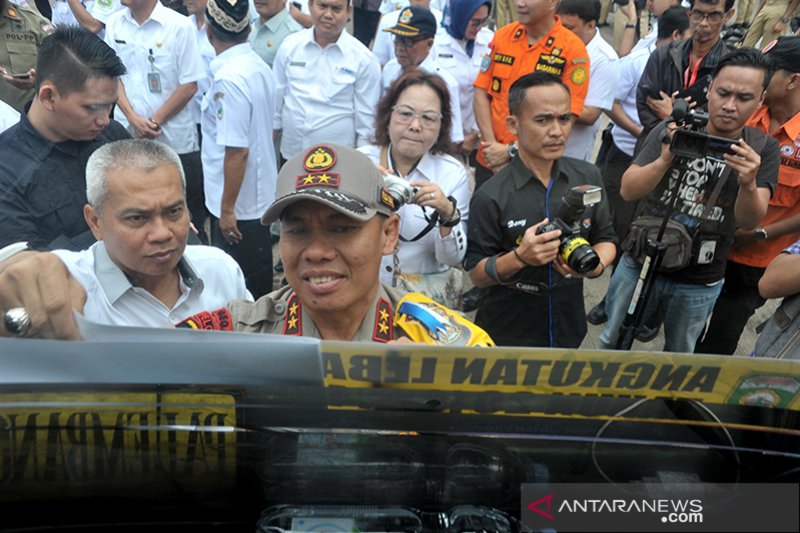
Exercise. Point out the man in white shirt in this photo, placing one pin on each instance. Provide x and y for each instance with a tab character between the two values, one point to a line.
195	196
581	16
383	47
140	272
91	14
159	49
328	83
413	42
238	158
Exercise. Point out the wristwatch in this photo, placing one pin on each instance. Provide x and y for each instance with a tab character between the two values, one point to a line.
512	150
456	218
761	234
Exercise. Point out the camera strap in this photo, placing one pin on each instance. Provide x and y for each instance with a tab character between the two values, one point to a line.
385	158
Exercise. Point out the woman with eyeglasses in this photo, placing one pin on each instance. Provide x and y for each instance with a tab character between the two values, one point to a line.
461	51
412	132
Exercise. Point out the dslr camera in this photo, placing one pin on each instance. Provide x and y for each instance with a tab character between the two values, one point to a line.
690	141
574	249
399	189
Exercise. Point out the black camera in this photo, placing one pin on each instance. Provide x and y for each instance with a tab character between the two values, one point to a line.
689	142
574	249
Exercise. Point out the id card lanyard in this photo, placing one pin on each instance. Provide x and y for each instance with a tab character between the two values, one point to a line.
153	77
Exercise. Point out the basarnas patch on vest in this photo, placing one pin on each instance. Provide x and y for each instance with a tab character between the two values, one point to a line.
551	64
319	158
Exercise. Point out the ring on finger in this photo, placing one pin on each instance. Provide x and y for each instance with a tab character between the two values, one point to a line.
17	321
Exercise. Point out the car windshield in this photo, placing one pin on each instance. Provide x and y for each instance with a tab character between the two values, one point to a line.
279	432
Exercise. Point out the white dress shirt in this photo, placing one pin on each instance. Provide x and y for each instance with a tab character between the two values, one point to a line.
432	253
393	70
209	279
237	112
325	95
603	77
383	45
207	55
631	68
103	9
171	40
8	116
63	16
451	55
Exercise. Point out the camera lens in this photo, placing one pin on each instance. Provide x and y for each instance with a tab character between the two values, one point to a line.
577	253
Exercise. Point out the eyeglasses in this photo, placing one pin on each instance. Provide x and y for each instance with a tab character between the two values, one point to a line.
698	16
479	23
408	42
427	119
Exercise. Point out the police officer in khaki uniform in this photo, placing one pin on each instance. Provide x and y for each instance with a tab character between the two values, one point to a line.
21	32
337	224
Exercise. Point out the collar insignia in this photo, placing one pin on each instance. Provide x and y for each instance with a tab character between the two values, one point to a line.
293	324
383	321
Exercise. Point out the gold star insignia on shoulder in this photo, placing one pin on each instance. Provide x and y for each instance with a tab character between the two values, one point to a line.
383	321
293	324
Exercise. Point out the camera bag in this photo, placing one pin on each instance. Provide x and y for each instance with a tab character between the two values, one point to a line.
676	237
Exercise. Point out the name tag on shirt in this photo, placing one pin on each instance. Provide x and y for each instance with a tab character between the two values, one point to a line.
297	64
119	41
154	82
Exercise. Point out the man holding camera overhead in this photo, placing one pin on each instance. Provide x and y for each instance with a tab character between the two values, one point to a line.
535	280
705	196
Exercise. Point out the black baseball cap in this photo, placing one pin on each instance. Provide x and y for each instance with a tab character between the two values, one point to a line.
414	22
784	53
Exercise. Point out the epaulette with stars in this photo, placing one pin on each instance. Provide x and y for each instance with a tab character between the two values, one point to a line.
293	324
383	321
